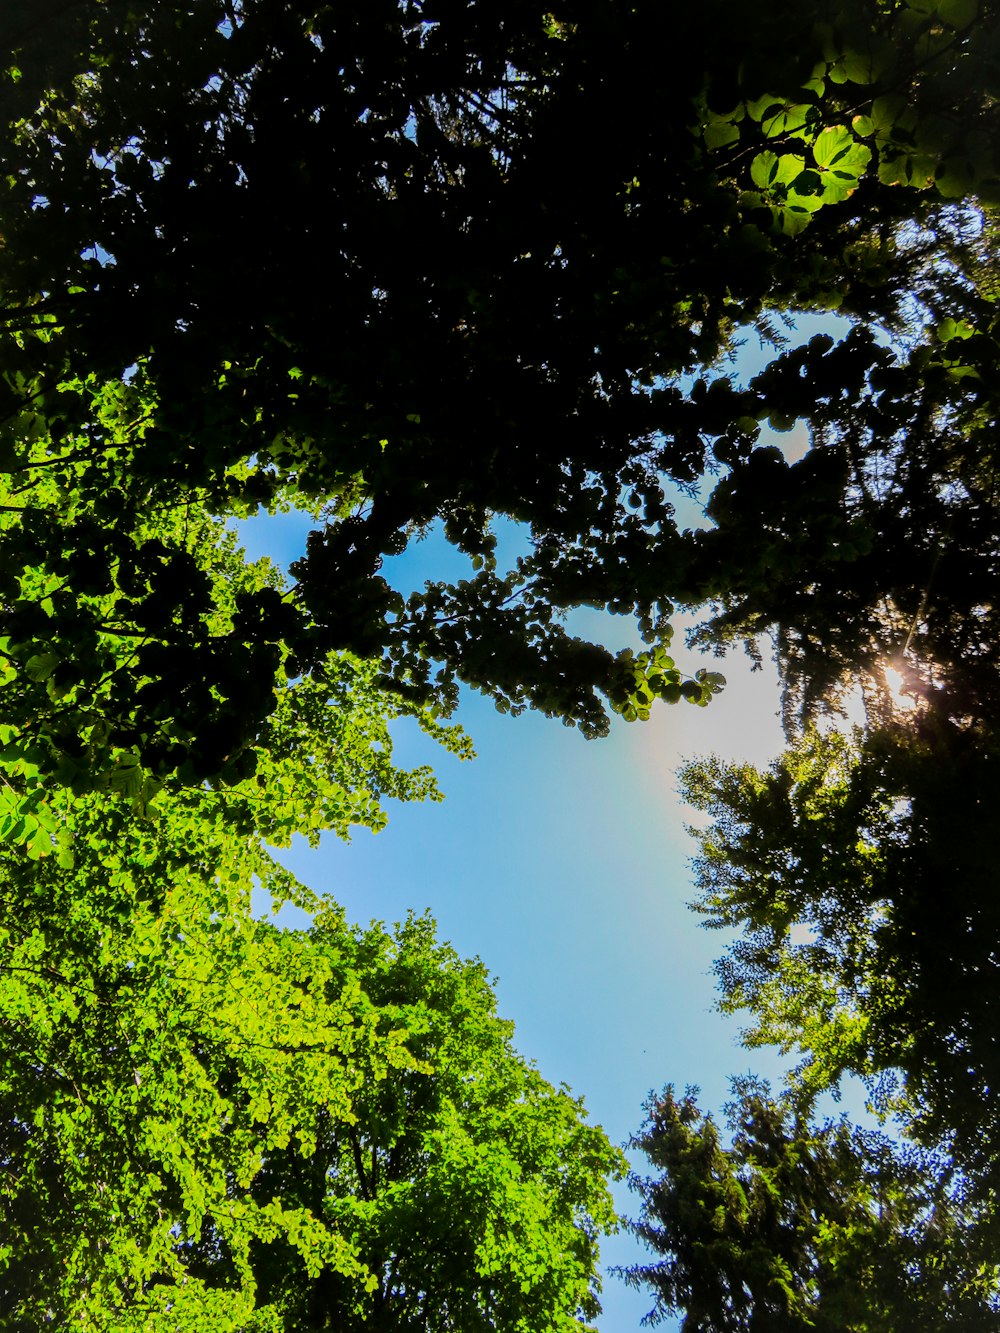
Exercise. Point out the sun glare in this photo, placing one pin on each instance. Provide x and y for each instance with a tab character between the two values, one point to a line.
899	692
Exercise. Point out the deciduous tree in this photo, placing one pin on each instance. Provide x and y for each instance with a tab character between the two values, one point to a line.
423	262
210	1122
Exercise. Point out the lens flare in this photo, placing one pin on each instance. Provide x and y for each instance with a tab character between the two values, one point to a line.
899	691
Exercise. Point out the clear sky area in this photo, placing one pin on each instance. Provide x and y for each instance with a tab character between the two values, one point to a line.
563	864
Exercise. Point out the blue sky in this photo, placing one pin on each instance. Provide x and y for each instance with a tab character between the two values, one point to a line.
563	864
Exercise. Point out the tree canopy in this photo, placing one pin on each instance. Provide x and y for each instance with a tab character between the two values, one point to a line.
798	1225
860	873
209	1121
404	263
339	254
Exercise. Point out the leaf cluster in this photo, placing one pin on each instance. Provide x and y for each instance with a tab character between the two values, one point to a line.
498	236
215	1122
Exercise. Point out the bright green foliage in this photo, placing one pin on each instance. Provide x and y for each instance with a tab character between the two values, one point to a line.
154	1049
469	1186
799	1226
212	1123
654	676
878	101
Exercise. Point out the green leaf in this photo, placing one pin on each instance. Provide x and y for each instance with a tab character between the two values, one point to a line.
65	856
39	842
832	146
950	329
41	666
886	111
791	221
768	170
909	169
720	134
804	203
763	107
855	161
762	169
865	64
788	119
